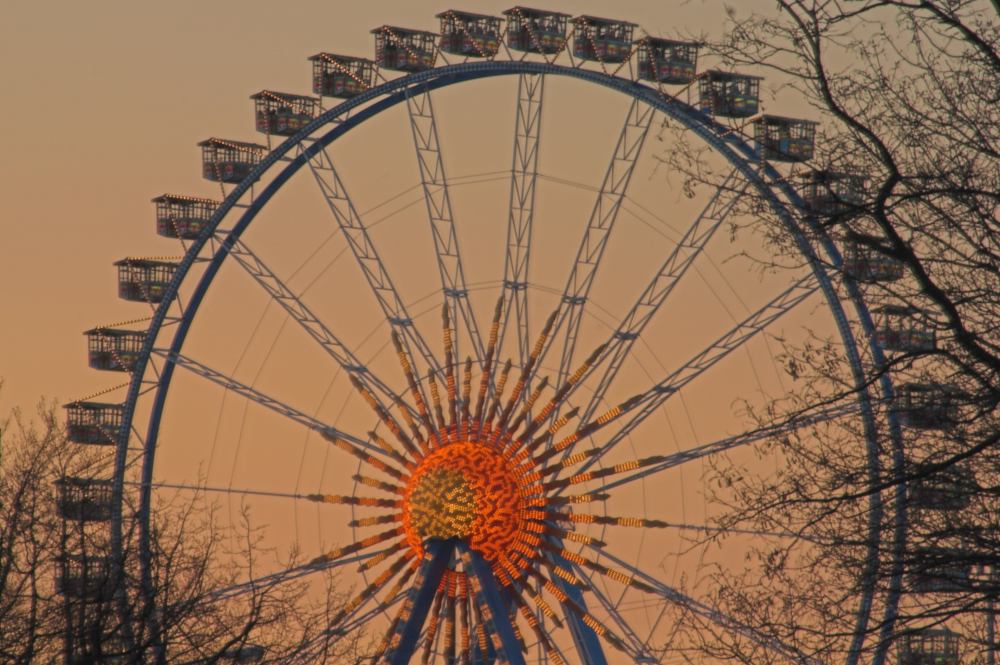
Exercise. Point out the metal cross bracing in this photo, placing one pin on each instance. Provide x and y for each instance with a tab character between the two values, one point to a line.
688	248
520	219
599	227
439	214
243	390
523	176
367	256
310	323
646	403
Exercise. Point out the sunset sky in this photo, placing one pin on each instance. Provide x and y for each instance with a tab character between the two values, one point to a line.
104	103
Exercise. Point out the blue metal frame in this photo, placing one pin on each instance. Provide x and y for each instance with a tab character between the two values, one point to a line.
353	112
368	259
688	248
438	555
437	198
596	235
499	608
521	210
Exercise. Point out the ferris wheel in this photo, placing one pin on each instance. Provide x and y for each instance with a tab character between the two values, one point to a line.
496	448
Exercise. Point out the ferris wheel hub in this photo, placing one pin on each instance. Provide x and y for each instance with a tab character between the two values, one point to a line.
470	491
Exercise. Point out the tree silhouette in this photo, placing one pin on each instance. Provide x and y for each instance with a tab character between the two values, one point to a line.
64	598
906	182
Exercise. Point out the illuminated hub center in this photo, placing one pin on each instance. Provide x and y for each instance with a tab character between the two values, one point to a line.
465	490
488	475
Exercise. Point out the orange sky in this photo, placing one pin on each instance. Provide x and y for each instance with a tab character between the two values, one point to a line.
104	103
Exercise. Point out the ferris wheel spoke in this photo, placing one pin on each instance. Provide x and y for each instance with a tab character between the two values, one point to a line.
708	529
598	231
248	392
521	210
243	491
791	424
688	248
439	212
308	321
637	648
316	650
676	597
258	584
645	404
376	274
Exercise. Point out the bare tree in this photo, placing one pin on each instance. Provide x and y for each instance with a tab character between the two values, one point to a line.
906	182
29	533
63	598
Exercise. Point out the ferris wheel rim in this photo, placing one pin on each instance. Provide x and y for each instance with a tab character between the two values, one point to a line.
731	147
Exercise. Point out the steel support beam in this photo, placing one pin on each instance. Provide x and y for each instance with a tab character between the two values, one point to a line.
438	554
588	645
635	646
717	617
243	390
521	210
598	231
688	248
309	322
439	213
731	442
367	256
495	608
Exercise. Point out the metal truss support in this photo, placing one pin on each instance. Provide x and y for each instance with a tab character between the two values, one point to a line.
495	608
309	322
277	406
439	213
367	256
652	399
418	602
523	175
688	248
595	237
